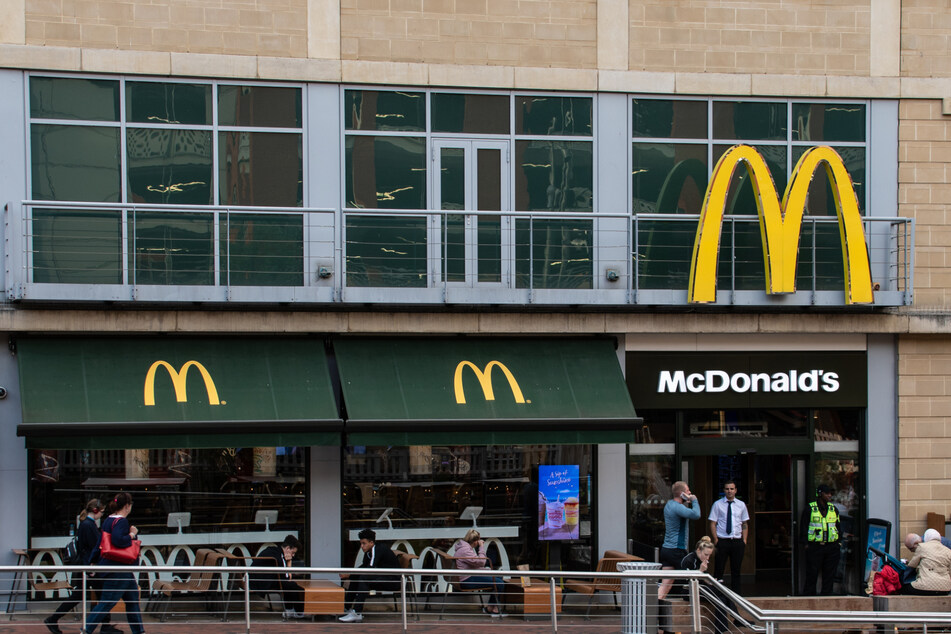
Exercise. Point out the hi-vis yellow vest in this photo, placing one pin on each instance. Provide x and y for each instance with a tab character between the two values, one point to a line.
822	529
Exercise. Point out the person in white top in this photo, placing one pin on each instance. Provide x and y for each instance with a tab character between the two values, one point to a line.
729	525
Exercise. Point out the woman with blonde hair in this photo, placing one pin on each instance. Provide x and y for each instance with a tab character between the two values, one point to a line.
470	555
699	559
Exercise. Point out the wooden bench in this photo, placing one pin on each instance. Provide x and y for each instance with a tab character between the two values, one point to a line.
322	596
532	599
607	563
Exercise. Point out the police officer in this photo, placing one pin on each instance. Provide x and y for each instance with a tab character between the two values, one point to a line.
821	520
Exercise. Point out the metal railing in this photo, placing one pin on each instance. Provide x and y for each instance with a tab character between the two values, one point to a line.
130	252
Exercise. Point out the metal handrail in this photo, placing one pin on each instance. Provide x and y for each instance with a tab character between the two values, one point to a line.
769	618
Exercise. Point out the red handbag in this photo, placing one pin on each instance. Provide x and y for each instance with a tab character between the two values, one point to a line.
129	555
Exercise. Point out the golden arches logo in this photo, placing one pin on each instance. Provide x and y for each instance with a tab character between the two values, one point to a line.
178	382
780	223
485	380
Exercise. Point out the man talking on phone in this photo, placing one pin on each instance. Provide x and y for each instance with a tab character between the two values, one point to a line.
681	507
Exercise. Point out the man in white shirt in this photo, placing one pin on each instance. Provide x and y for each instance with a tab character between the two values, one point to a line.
729	525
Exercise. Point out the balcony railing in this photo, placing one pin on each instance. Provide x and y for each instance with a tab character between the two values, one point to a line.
82	252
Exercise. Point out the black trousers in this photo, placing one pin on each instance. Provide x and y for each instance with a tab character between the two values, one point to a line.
732	550
824	557
292	595
76	580
360	586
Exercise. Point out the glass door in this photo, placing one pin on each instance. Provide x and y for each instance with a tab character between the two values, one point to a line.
472	177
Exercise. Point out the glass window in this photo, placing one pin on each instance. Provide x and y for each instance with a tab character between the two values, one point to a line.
384	110
64	98
155	102
659	426
553	254
821	200
744	423
170	166
386	172
669	177
837	424
749	120
77	246
429	486
260	169
828	122
173	248
386	251
553	115
648	485
553	175
259	106
670	119
222	488
470	114
75	163
263	250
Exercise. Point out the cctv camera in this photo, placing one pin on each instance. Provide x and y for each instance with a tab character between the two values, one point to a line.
3	392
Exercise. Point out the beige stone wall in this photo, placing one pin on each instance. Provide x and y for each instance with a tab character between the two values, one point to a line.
924	429
233	27
794	38
533	33
925	38
924	174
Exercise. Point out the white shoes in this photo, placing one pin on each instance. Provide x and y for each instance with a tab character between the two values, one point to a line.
351	617
293	614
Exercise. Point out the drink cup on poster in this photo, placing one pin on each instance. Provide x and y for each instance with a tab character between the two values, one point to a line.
556	513
571	512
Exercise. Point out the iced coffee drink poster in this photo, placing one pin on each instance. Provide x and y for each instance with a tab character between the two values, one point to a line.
558	502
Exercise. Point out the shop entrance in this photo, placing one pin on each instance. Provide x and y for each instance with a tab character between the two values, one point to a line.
770	487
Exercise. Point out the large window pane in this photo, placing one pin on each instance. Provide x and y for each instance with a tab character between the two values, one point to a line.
384	110
668	177
828	122
553	253
77	246
648	485
222	488
553	115
749	120
260	169
155	102
470	114
386	172
170	166
662	252
429	486
174	248
63	98
669	118
75	163
260	106
553	175
263	250
386	251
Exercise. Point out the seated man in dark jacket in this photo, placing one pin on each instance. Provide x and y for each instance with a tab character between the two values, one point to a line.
291	593
375	555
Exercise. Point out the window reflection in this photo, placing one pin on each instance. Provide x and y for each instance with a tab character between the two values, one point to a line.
749	120
385	110
170	166
828	122
386	172
670	118
173	248
470	113
648	480
260	169
553	175
261	106
262	250
553	115
386	251
553	253
68	98
74	163
171	103
77	246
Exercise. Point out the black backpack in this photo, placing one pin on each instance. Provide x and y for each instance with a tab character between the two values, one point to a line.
71	553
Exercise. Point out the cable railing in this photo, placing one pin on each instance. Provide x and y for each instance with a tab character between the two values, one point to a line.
428	598
160	253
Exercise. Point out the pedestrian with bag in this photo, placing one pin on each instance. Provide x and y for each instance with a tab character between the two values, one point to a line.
118	546
87	541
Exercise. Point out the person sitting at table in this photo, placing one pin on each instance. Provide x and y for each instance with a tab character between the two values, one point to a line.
470	555
292	594
375	555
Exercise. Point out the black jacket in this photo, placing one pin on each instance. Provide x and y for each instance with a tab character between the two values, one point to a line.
383	557
272	556
88	540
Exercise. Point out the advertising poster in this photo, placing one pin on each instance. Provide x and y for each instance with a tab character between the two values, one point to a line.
558	494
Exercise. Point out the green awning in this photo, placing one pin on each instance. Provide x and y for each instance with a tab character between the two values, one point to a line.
175	391
474	390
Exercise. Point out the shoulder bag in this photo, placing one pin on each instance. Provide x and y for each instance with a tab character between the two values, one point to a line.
128	555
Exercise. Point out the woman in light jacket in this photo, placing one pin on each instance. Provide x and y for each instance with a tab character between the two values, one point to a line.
117	585
933	561
470	555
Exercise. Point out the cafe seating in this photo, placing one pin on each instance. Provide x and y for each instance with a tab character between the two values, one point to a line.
607	563
198	583
455	585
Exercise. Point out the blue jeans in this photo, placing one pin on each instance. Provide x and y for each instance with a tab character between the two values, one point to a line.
115	586
479	582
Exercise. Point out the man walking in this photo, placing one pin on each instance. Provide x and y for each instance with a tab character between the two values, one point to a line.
821	521
729	525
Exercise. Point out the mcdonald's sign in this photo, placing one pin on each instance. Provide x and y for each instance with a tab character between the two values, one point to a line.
780	224
178	382
485	380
